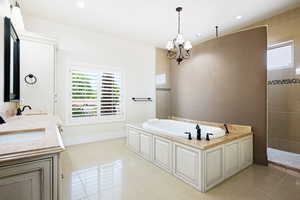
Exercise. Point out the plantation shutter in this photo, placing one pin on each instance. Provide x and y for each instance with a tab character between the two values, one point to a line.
110	101
96	95
84	94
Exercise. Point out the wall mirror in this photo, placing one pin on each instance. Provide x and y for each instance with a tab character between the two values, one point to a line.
11	62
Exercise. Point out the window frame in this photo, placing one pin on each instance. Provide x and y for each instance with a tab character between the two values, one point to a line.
92	68
279	45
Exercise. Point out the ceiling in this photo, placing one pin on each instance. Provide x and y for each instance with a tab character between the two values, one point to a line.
155	21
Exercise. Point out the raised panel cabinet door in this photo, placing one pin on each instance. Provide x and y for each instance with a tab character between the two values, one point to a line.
186	164
37	58
162	155
146	145
30	180
23	186
231	158
134	140
213	167
246	152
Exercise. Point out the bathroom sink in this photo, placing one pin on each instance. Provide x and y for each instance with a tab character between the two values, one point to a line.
21	136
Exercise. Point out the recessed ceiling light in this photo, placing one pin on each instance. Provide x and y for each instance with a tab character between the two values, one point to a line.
239	17
80	4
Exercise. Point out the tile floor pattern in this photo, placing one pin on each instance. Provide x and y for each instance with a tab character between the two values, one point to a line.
285	158
109	171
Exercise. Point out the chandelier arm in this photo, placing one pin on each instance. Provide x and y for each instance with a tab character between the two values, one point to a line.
186	54
171	54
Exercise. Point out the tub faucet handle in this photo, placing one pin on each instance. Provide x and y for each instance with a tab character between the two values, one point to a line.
189	135
226	128
207	136
198	132
2	121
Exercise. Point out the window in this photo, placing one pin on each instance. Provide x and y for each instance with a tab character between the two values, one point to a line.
96	95
281	56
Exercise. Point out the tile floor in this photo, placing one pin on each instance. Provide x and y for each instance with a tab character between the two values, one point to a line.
285	158
109	171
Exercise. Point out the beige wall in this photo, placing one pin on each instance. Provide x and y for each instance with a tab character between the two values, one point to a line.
284	99
225	81
163	86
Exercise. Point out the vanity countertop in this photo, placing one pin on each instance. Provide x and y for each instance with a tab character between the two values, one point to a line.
236	132
45	137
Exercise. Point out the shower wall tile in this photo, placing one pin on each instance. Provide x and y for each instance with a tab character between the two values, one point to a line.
278	125
282	74
294	146
284	144
294	127
273	142
284	98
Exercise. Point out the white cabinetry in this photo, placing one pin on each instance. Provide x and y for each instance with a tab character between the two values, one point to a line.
231	158
213	166
187	164
162	153
37	57
246	152
133	140
203	169
146	145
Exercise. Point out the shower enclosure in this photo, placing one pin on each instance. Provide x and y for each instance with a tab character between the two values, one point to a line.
283	106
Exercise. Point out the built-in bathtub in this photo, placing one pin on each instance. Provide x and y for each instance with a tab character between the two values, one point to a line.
178	128
200	163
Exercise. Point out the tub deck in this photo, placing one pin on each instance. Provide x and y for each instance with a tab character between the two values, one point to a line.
234	134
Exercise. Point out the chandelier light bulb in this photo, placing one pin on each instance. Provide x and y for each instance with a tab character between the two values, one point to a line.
179	39
187	45
169	45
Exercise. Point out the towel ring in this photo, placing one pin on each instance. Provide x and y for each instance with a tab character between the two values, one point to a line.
30	79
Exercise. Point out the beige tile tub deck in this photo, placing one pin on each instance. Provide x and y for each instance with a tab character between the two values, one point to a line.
234	133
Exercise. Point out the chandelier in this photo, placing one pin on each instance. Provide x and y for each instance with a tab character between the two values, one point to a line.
178	48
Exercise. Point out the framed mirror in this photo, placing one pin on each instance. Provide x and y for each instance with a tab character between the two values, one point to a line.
11	62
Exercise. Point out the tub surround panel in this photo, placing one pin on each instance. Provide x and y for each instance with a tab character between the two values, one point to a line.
225	81
49	142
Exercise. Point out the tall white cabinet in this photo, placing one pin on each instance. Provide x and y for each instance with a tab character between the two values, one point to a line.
37	57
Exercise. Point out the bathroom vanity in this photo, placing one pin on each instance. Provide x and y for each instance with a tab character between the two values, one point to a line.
200	163
29	158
